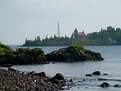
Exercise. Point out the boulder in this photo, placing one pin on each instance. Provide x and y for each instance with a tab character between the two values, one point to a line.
117	85
58	76
89	75
11	69
32	73
105	74
41	74
70	80
73	53
96	73
105	84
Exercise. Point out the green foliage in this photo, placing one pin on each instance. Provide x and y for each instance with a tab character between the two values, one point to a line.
4	50
109	36
29	56
4	46
75	48
20	56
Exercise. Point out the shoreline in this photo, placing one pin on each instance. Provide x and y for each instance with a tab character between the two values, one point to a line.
13	80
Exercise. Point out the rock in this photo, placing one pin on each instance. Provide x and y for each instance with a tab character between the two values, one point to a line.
117	85
102	79
105	84
55	81
96	73
89	75
32	73
41	81
70	80
58	76
15	81
11	69
105	74
41	74
73	53
44	63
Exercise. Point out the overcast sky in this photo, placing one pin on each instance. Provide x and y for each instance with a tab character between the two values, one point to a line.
21	19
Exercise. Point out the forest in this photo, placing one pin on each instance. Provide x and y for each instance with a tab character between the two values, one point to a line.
108	36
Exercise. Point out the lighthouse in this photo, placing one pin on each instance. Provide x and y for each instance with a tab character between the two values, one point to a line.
58	29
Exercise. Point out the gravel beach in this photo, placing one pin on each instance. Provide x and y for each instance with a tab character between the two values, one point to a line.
11	80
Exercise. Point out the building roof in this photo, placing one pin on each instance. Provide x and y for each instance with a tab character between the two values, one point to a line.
81	34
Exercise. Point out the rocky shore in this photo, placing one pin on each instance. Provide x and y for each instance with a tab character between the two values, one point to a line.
25	56
12	80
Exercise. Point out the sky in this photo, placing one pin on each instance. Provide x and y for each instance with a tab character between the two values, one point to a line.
21	19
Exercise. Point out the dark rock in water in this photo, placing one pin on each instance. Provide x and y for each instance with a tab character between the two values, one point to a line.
11	69
105	74
58	76
96	73
32	73
117	85
44	63
41	74
102	79
105	84
70	80
89	75
73	53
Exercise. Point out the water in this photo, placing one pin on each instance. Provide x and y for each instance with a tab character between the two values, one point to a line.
111	65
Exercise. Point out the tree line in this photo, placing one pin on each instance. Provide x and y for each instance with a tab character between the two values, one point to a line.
108	36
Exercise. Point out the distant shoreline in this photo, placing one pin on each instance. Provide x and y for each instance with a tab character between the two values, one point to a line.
66	45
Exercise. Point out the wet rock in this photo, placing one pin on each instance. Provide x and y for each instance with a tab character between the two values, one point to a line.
80	81
32	73
44	63
11	69
41	74
96	73
70	80
105	74
89	75
117	85
55	81
105	84
58	76
102	79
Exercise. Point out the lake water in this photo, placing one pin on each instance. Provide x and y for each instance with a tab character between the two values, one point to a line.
111	65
